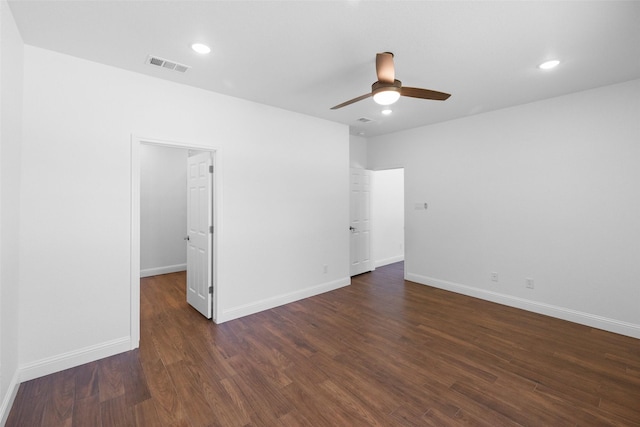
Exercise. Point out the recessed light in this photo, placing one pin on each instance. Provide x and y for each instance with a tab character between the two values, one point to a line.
201	48
387	111
549	64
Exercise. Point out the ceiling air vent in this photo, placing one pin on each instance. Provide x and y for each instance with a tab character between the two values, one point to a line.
364	120
165	63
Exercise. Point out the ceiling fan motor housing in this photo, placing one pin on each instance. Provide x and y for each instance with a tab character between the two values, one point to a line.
383	87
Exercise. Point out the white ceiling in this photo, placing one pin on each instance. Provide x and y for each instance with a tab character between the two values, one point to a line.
308	56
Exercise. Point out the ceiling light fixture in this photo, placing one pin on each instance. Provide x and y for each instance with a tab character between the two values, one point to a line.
549	64
386	93
386	97
201	48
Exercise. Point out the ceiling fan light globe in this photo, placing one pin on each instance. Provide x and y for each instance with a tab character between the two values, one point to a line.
386	97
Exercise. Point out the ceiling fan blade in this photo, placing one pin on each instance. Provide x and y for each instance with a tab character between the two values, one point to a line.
415	92
351	101
384	67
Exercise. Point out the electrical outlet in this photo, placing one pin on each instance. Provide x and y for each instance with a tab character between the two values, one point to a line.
494	277
325	269
529	283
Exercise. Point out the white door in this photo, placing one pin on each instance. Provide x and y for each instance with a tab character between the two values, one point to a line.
360	226
200	233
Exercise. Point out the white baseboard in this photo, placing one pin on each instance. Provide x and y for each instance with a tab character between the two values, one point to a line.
73	358
268	303
587	319
387	261
7	402
162	270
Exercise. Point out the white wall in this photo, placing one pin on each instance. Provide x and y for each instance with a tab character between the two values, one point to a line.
357	152
548	190
163	209
283	204
11	53
387	216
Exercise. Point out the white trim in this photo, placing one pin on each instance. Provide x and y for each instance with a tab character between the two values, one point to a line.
134	285
72	359
155	271
587	319
268	303
134	281
9	397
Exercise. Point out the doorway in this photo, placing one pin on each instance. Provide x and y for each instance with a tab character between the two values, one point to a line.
163	209
377	219
137	145
387	216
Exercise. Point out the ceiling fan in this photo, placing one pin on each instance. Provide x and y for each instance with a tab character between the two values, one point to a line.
388	90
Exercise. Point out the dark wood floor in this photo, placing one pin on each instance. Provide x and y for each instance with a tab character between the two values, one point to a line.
382	352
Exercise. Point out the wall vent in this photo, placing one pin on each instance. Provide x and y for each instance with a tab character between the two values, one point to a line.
165	63
364	120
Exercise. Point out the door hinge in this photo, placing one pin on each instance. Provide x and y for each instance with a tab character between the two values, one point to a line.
210	168
210	289
211	229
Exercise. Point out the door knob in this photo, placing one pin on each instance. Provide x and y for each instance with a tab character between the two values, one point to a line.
186	238
352	228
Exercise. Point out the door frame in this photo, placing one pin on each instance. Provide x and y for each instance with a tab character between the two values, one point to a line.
136	142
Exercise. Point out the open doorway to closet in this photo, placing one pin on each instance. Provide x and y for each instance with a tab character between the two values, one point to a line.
163	209
173	215
387	216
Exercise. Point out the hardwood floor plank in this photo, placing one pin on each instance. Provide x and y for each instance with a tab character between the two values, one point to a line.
318	407
272	363
294	419
435	418
440	399
189	391
567	393
146	414
241	407
260	389
116	413
86	412
490	409
382	395
520	407
381	352
352	404
167	343
147	347
86	377
162	390
134	380
29	404
110	377
208	356
621	400
59	405
205	373
408	417
260	410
